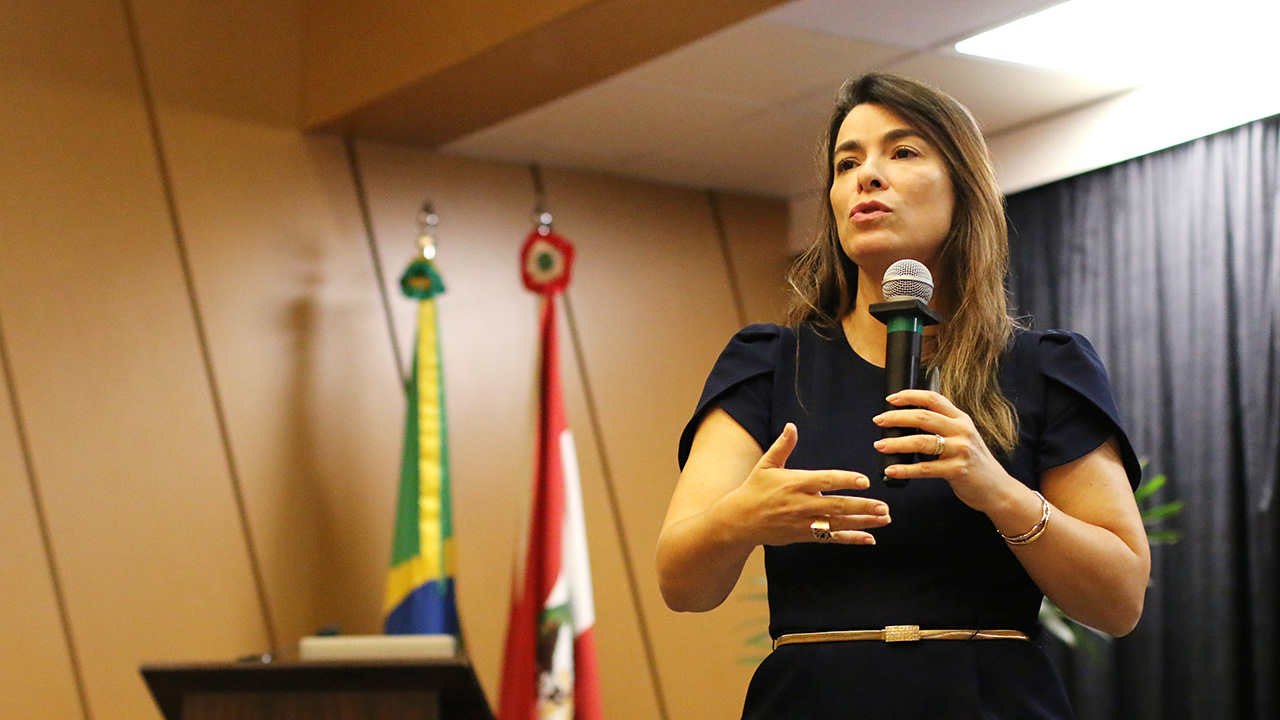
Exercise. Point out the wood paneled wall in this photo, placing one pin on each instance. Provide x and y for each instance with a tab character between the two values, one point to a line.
200	422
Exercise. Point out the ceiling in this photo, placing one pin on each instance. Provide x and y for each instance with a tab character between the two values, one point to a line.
744	108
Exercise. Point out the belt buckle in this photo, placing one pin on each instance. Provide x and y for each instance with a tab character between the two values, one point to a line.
901	633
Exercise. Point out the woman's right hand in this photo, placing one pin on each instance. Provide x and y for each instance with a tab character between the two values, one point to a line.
778	506
731	499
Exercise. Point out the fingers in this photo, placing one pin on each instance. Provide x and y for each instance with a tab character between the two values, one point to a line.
851	529
927	469
847	517
924	444
920	419
809	481
926	399
847	520
852	506
926	411
777	454
825	481
952	461
851	537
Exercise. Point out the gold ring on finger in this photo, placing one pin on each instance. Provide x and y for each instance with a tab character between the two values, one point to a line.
821	529
940	444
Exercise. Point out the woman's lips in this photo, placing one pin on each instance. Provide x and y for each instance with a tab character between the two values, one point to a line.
863	212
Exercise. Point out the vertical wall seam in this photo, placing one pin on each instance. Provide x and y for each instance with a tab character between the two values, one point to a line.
188	276
46	538
722	235
366	217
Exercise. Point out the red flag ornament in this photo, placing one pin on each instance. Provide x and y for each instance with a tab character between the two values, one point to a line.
546	261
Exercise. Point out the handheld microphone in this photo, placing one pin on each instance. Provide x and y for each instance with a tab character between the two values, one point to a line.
907	288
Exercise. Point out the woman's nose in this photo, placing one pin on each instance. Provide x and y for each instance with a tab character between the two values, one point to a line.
870	177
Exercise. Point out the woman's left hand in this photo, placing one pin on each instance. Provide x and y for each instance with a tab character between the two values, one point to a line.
966	463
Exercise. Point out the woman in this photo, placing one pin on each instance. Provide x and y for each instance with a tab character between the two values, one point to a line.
1030	491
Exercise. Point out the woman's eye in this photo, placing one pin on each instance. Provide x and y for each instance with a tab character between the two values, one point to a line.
904	153
844	164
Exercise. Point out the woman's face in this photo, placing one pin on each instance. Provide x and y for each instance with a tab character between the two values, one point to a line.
891	195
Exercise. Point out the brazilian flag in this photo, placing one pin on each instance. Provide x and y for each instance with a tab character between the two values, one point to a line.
420	586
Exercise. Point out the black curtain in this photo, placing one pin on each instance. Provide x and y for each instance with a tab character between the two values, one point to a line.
1170	264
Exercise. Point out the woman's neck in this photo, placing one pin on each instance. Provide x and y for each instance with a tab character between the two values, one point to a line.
865	334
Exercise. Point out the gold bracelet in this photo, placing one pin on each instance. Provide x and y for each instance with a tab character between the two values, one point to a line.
1031	535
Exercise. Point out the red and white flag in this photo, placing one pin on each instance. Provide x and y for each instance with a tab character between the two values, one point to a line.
549	671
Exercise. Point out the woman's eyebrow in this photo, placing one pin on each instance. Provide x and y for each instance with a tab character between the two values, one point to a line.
891	136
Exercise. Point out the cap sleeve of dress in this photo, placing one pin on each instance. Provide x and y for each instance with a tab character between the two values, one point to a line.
741	384
1079	410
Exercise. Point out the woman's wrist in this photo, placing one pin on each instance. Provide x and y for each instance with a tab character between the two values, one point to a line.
724	527
1020	514
1030	536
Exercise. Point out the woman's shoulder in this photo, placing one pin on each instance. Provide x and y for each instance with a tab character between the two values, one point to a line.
757	346
1062	355
755	340
1065	377
762	333
769	346
740	381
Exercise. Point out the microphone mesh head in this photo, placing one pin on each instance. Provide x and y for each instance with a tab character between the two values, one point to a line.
907	279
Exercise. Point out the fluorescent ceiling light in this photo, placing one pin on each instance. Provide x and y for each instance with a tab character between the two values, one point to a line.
1137	41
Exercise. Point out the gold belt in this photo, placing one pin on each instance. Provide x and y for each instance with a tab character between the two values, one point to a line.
897	633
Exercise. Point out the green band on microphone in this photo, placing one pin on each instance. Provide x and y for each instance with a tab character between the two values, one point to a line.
904	323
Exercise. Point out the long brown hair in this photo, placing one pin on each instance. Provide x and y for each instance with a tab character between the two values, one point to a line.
974	255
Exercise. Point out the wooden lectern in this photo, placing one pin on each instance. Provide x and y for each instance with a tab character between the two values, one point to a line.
434	689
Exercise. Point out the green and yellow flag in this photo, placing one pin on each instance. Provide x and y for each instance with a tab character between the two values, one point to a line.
420	588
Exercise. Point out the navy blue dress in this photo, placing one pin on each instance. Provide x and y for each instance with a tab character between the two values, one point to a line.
939	564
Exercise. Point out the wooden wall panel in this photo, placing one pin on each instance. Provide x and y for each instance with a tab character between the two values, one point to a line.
290	299
106	361
36	674
302	359
757	231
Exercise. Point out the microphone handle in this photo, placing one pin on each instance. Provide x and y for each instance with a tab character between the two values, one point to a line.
905	320
901	372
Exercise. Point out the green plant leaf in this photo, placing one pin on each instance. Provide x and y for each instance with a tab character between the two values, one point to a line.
1149	487
1163	537
1160	512
1054	621
1071	633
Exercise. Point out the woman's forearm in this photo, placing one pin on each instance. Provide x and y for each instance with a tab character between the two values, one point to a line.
1092	560
1088	571
698	563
